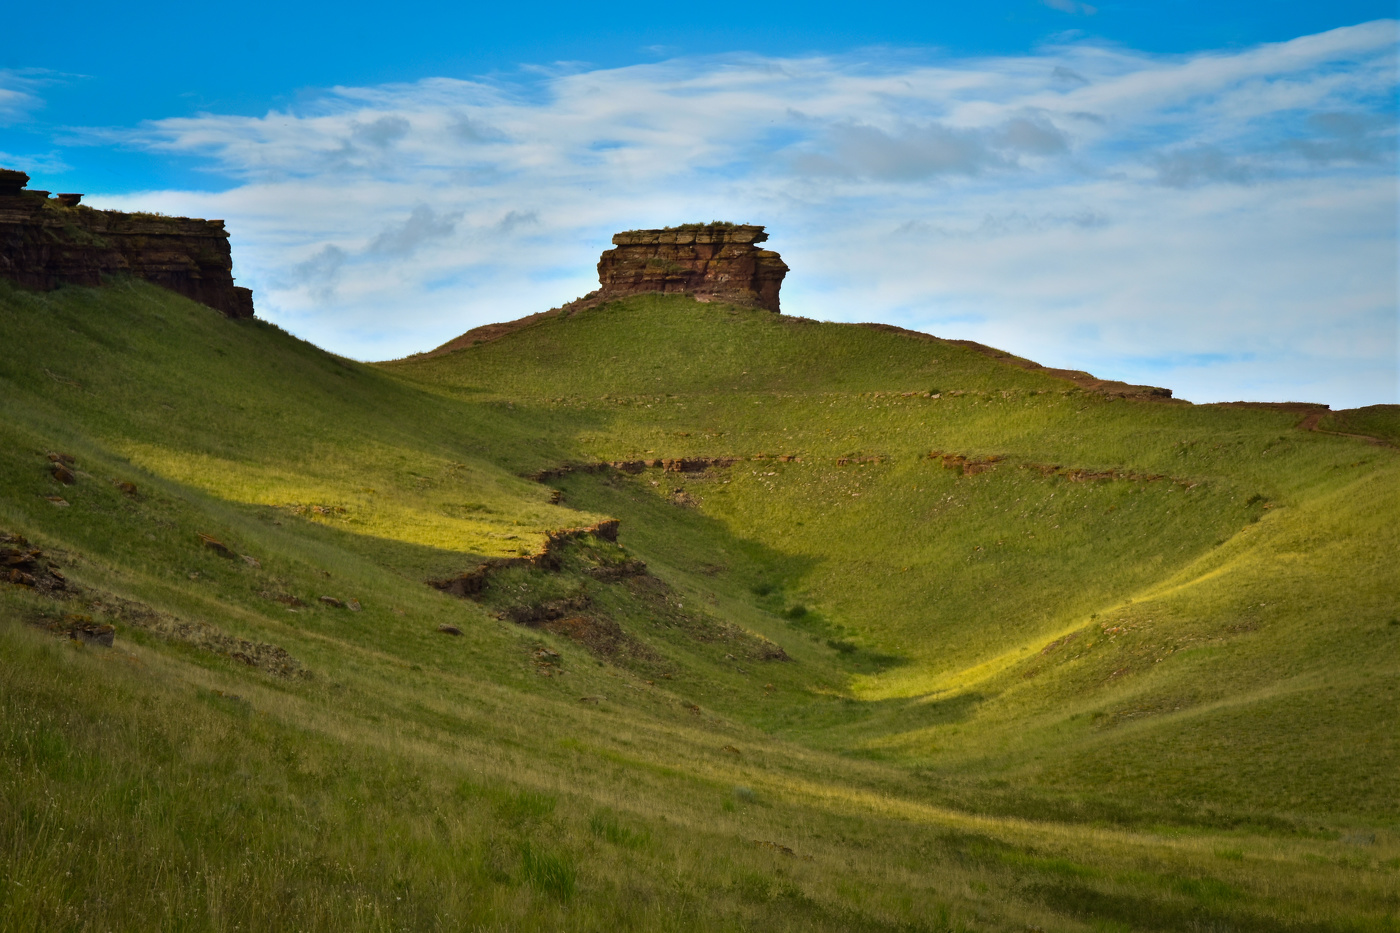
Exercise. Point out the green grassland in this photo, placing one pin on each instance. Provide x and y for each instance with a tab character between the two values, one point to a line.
949	645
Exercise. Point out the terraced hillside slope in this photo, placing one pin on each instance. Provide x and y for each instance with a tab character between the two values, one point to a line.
889	634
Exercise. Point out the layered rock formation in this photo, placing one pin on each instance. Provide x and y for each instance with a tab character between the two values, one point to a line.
47	242
709	262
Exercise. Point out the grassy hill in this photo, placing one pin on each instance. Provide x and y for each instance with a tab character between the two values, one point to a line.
918	639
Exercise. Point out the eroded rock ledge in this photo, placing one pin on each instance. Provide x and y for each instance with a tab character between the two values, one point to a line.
47	242
709	262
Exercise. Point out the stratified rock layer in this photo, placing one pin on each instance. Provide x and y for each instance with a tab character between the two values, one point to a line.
47	242
710	262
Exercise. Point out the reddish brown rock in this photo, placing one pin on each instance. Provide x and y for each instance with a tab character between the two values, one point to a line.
215	545
709	262
25	565
82	628
47	242
966	466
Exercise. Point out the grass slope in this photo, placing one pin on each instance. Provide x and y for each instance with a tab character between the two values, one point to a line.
1016	695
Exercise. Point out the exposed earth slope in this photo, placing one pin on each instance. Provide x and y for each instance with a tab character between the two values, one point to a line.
892	634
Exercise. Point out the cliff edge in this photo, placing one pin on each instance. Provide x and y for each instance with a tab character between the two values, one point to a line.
47	242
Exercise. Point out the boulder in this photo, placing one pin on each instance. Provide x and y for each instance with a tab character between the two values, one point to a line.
84	629
215	545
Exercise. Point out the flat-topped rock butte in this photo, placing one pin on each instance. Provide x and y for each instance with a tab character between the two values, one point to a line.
709	262
47	242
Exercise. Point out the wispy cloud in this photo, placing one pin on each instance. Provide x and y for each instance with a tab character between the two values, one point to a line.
46	163
19	93
1162	207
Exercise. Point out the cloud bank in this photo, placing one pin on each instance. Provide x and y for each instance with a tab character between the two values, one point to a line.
1222	223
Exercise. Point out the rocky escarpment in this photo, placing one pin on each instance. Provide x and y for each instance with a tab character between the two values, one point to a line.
709	262
47	242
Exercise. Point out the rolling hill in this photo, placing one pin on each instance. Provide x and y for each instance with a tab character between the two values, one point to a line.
891	633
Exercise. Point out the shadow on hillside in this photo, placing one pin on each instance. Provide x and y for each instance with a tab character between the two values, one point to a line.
712	556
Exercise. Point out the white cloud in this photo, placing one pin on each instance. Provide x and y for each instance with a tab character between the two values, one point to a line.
1222	223
17	94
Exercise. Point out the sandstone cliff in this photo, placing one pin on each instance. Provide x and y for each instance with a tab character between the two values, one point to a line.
47	242
710	262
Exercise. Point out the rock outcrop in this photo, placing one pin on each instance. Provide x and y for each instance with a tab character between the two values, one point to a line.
47	242
709	262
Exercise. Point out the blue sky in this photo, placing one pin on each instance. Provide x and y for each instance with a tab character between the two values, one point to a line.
1195	195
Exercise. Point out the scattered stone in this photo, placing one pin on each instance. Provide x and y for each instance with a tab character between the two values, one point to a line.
59	501
127	488
215	545
547	662
966	466
82	628
270	658
21	564
251	561
591	699
1085	476
730	749
534	614
684	499
1059	642
286	599
608	574
781	849
332	602
66	459
353	605
62	473
449	629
